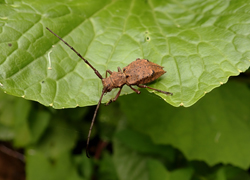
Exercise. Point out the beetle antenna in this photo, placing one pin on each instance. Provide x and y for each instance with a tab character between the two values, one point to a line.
96	72
93	120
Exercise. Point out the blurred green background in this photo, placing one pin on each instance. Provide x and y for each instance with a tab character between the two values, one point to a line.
137	137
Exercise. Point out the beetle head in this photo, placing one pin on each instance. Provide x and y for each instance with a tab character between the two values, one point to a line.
115	80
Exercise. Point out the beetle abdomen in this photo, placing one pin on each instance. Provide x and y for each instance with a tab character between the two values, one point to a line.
142	71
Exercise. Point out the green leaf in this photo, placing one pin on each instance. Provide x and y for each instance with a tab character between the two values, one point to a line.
183	174
143	144
215	130
20	122
21	110
60	137
157	171
7	117
107	121
39	121
107	169
232	173
200	44
40	167
86	165
129	164
132	163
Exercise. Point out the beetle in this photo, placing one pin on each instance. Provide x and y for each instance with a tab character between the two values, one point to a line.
139	73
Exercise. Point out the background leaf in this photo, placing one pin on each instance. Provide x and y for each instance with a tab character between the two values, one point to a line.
137	163
216	129
200	44
39	167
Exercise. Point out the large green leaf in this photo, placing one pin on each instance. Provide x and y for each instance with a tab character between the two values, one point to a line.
215	130
200	44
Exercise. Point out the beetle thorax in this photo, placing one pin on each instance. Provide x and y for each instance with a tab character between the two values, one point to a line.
115	80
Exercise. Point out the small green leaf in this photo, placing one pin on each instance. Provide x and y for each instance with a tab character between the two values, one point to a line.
59	138
199	43
232	173
38	123
133	165
183	174
107	169
143	144
157	171
7	117
86	167
40	167
21	110
128	163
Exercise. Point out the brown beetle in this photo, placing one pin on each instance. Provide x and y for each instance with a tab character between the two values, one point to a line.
138	73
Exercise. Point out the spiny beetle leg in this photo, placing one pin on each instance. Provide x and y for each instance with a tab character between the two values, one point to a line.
108	71
137	91
164	92
116	97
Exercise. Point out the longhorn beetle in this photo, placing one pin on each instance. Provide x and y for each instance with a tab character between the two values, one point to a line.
138	73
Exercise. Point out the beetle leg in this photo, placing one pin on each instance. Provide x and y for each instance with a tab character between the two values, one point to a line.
108	71
116	97
119	69
164	92
137	91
